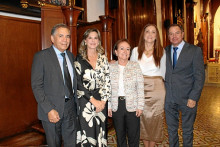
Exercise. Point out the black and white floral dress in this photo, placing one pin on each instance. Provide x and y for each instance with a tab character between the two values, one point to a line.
96	83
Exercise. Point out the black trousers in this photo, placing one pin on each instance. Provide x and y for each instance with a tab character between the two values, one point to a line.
126	124
64	130
172	111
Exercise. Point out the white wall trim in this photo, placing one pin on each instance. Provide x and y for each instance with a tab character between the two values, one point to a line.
19	16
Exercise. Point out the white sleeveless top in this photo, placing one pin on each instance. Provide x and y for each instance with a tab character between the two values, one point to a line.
147	64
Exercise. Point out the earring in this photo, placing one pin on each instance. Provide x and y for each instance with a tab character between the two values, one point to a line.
85	43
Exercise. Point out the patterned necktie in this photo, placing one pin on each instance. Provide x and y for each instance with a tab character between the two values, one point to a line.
67	80
174	56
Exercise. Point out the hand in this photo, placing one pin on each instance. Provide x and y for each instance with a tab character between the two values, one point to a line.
139	112
103	103
53	116
191	103
110	112
98	104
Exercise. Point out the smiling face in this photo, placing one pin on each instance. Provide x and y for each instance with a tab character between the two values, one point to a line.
61	39
175	35
123	51
150	34
92	41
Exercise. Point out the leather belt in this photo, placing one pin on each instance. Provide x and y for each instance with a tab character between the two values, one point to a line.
153	77
121	98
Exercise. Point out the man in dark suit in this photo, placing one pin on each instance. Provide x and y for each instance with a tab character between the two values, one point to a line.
184	80
54	85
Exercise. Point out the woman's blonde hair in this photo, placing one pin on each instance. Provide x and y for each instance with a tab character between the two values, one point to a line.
83	46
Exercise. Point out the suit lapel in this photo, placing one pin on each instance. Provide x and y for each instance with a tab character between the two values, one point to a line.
70	57
169	61
182	54
74	73
55	62
116	72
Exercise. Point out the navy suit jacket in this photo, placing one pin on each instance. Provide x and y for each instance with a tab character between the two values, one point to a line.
186	80
47	83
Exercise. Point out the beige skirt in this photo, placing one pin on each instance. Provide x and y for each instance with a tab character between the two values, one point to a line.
151	127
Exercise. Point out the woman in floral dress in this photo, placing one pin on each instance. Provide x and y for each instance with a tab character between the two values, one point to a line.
93	90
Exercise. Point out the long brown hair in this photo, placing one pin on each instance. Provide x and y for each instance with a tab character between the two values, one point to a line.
158	49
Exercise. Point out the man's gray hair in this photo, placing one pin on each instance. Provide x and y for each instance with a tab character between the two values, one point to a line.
57	26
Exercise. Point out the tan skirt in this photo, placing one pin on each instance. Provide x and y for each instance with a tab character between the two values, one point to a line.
151	128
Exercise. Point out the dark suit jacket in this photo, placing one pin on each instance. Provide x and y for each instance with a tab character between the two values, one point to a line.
186	80
47	83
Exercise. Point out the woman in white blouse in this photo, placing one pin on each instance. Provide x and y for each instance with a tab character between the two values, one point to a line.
127	101
151	57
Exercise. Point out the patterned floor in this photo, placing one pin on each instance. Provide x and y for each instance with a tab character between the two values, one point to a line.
207	125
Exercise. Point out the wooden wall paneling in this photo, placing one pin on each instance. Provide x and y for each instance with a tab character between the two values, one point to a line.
84	4
121	20
20	40
202	8
211	33
107	35
204	29
205	4
107	7
190	22
130	22
167	19
116	11
49	17
139	13
115	35
170	12
164	26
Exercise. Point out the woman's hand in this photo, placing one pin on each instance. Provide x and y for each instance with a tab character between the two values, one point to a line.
98	104
139	112
103	103
109	112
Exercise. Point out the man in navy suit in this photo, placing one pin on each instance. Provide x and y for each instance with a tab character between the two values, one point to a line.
57	104
184	80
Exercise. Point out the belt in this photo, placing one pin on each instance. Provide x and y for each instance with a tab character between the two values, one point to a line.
154	77
121	98
67	99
